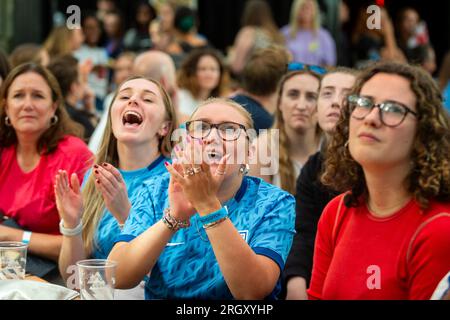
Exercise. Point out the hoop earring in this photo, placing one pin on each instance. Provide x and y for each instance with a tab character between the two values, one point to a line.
7	122
53	120
346	145
244	169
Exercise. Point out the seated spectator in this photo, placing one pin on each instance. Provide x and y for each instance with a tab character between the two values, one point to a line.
371	45
91	52
258	31
411	31
162	30
296	135
37	138
307	41
29	52
5	67
138	150
78	98
260	79
202	75
229	250
423	56
137	38
388	236
123	67
311	195
186	36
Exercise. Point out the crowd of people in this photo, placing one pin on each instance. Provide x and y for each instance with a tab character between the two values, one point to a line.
293	166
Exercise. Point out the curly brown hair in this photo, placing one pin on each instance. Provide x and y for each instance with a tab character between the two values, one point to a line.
187	75
429	177
49	140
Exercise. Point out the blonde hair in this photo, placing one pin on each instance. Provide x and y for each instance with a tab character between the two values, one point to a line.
94	204
293	21
58	42
287	177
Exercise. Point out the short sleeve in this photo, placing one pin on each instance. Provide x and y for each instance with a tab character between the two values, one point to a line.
428	258
273	236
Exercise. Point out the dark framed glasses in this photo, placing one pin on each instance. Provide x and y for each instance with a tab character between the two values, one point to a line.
298	66
228	131
392	113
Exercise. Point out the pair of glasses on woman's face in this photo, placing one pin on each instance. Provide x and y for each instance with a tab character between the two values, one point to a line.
298	66
392	113
228	131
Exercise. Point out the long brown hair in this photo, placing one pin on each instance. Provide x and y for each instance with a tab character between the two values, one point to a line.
49	140
94	206
430	175
287	177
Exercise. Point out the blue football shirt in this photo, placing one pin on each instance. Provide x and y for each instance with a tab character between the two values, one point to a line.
263	214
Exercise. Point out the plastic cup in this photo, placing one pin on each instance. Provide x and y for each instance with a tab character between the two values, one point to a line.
13	259
97	279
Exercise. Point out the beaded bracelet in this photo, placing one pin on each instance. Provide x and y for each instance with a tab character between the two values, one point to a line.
172	223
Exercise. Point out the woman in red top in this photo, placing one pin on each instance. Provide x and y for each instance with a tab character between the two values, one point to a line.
389	236
37	138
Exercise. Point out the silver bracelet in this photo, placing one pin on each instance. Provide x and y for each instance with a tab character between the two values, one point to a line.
70	232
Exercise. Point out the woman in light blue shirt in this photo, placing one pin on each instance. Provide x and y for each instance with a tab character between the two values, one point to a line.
205	230
137	140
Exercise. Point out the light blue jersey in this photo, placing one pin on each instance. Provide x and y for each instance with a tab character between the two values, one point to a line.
263	214
108	228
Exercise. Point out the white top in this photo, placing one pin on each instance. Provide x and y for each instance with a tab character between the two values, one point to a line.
276	180
187	103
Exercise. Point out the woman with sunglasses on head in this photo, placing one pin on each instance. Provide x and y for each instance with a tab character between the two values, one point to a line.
388	237
137	140
311	195
235	245
295	135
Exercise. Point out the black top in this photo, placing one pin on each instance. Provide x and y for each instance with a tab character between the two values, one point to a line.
261	117
311	198
83	117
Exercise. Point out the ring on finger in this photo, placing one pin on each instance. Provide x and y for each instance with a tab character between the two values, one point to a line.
220	173
189	172
197	169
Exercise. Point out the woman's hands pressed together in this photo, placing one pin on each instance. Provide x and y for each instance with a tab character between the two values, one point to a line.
193	188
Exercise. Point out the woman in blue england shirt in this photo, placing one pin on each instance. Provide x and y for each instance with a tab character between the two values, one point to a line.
205	230
137	140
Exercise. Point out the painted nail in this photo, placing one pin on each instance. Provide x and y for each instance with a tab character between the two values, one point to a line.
96	171
104	164
166	163
95	166
98	181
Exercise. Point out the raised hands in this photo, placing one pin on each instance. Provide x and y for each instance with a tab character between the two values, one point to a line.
191	175
69	201
109	182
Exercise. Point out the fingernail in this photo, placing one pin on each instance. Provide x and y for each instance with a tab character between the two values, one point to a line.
96	171
98	181
166	163
95	166
177	148
200	141
104	164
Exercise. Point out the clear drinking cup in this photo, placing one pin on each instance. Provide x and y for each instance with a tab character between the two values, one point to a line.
13	259
97	279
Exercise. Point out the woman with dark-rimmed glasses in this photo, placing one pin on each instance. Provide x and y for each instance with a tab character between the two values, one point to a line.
205	230
388	236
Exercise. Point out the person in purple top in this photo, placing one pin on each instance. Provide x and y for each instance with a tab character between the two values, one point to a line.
305	39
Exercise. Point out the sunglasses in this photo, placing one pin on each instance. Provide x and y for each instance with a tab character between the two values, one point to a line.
298	66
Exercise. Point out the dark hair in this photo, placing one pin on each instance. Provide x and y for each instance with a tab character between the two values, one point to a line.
185	19
146	4
5	67
264	70
65	70
430	175
188	72
49	140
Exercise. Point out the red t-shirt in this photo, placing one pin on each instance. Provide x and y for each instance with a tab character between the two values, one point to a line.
29	198
359	256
